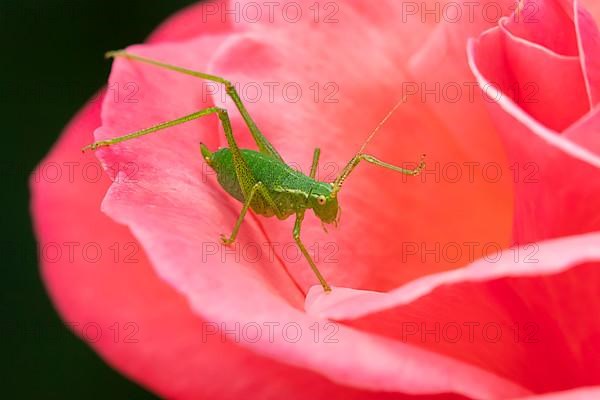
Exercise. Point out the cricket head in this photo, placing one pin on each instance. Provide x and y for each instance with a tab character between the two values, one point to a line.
324	204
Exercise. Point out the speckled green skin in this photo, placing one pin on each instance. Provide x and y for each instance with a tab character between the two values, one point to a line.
292	191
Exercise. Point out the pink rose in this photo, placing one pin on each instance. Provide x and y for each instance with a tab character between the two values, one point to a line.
445	285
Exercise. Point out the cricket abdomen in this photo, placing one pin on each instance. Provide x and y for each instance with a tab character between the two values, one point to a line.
288	188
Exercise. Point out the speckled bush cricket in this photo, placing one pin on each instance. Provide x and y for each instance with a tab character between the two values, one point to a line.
261	180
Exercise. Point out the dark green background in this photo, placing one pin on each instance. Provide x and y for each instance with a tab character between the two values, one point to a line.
51	63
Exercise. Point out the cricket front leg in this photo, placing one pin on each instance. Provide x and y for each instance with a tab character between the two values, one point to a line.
297	227
337	185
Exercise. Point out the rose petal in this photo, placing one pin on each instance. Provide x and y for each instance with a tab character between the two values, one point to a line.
538	20
463	115
585	132
553	92
202	18
575	394
503	312
550	171
593	7
589	49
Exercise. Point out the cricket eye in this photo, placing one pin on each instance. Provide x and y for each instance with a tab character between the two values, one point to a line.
321	200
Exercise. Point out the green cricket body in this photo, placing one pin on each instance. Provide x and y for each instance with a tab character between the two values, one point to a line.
262	180
291	190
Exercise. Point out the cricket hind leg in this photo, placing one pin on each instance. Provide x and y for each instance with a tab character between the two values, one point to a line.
313	266
261	198
244	174
146	131
251	188
261	141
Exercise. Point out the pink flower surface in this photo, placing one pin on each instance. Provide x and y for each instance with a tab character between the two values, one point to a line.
520	323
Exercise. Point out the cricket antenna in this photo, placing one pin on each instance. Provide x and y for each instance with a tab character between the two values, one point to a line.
337	184
380	124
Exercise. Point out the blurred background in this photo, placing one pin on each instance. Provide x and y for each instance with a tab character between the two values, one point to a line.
52	62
